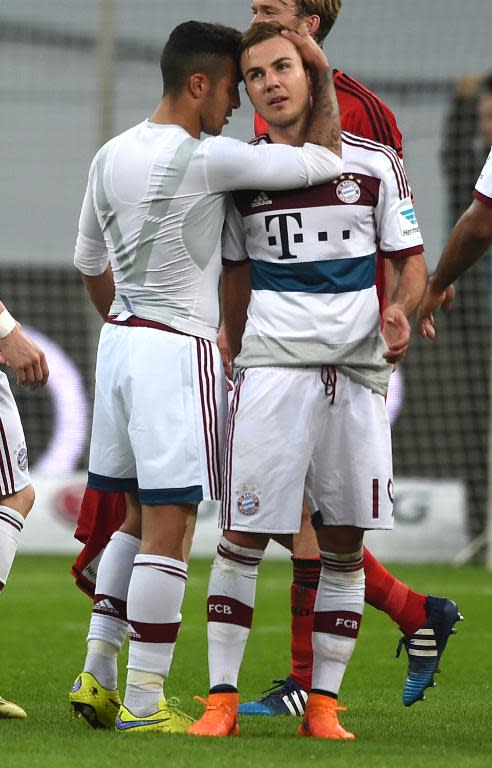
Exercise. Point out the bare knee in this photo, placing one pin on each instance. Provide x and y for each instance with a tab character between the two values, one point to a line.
248	540
22	501
133	518
342	539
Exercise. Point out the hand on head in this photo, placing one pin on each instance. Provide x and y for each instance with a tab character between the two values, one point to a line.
312	55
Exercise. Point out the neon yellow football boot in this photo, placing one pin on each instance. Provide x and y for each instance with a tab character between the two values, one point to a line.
98	705
167	719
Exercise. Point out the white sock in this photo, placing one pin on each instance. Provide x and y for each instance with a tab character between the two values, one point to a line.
230	603
337	616
143	692
108	626
155	597
101	661
11	525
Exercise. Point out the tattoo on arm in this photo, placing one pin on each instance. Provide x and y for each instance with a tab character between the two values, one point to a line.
324	125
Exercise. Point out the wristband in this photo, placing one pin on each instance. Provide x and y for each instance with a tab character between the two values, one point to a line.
7	323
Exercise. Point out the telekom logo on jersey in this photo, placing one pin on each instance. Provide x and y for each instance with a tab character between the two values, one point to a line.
284	232
290	234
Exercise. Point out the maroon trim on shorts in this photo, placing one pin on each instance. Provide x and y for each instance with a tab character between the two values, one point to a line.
215	424
6	465
225	518
139	322
206	377
227	610
375	499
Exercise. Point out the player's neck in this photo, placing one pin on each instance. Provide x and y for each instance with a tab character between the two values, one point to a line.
294	134
173	112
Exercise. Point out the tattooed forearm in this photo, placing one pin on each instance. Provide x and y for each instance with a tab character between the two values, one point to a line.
324	124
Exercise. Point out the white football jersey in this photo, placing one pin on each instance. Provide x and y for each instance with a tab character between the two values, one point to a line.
313	264
154	208
483	187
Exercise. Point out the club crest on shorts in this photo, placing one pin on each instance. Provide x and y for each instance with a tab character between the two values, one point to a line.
348	191
22	458
248	503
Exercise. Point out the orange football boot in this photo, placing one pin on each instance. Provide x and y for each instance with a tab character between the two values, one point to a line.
321	719
220	716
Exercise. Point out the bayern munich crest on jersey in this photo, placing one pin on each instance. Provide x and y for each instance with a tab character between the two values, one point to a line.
248	503
348	191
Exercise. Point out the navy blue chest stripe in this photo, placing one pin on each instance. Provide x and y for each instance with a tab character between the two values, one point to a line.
335	276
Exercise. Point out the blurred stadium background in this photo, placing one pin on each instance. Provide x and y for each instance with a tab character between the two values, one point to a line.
75	72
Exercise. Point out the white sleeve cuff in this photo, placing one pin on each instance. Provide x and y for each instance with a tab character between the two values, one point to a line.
322	164
91	256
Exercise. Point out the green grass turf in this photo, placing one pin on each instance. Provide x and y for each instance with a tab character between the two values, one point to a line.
43	621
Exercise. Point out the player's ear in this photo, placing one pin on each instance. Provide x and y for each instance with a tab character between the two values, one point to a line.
313	23
198	85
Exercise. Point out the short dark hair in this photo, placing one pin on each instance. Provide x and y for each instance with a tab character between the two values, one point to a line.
196	46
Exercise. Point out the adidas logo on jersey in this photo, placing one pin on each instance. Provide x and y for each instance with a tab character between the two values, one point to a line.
261	199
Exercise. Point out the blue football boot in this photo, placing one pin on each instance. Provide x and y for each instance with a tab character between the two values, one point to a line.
285	697
426	646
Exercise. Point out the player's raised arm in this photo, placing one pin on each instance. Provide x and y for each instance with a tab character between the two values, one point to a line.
324	122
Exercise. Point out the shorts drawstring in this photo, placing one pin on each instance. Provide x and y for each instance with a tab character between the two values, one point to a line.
329	379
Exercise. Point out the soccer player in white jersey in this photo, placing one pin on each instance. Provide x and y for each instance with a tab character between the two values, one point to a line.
308	408
21	354
470	238
149	252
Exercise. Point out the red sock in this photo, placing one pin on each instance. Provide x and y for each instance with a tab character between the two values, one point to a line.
302	597
386	593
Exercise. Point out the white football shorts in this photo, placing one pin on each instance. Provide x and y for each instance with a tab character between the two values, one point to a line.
159	416
14	472
292	430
